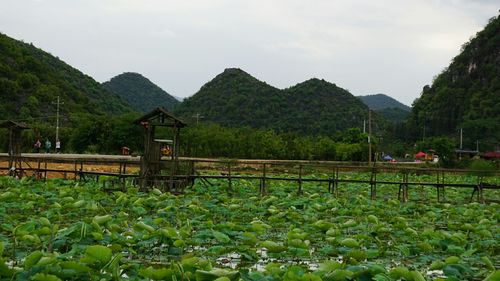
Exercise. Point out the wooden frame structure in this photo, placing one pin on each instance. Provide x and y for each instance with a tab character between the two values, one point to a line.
263	171
15	140
152	164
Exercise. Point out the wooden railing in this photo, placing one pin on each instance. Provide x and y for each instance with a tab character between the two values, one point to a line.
123	168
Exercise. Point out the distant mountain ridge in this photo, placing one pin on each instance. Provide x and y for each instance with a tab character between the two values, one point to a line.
390	108
31	79
142	94
313	107
381	101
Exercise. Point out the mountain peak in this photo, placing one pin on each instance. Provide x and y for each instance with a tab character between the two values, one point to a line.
380	101
41	77
142	94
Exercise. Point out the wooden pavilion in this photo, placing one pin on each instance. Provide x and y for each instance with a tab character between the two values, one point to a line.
15	141
157	170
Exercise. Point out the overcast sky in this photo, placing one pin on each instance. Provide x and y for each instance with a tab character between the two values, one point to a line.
393	47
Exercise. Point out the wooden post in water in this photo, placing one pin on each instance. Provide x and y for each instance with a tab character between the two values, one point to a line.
373	184
299	192
229	183
403	187
263	188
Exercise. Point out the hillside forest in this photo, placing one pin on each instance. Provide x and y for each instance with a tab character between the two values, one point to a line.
237	116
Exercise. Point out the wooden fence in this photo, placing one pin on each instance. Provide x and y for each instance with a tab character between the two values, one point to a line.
121	169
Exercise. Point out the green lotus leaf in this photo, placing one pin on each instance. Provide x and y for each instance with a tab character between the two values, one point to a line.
169	232
437	265
221	237
400	273
411	232
45	277
339	275
249	238
487	263
191	264
485	233
298	243
358	255
97	254
141	226
179	243
75	266
328	266
425	246
217	250
273	247
372	219
46	260
296	233
372	253
350	242
157	274
102	219
333	232
214	274
32	259
44	221
323	225
417	276
452	260
494	276
349	223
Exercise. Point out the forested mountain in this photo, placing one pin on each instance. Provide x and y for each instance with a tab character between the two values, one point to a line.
466	94
381	101
320	107
388	107
142	94
235	98
31	80
394	114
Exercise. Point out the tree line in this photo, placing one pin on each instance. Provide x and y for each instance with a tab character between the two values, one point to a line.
104	134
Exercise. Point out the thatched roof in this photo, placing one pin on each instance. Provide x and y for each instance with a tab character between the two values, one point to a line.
13	124
160	116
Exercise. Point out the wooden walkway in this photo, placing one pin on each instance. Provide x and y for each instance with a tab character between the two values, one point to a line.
82	167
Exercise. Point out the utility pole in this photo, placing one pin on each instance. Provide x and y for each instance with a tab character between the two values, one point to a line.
461	138
369	137
58	103
198	117
364	126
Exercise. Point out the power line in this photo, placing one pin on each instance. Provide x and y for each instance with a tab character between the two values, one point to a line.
57	117
198	117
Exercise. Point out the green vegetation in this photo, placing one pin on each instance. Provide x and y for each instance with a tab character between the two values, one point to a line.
86	133
465	95
395	115
64	230
389	108
381	101
142	94
212	140
31	79
314	107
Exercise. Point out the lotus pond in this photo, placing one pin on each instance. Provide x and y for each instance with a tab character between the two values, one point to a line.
66	230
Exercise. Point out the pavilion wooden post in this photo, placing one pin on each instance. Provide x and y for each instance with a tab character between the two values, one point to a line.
15	140
151	162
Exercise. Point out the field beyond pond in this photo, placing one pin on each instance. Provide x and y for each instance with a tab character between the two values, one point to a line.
68	230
